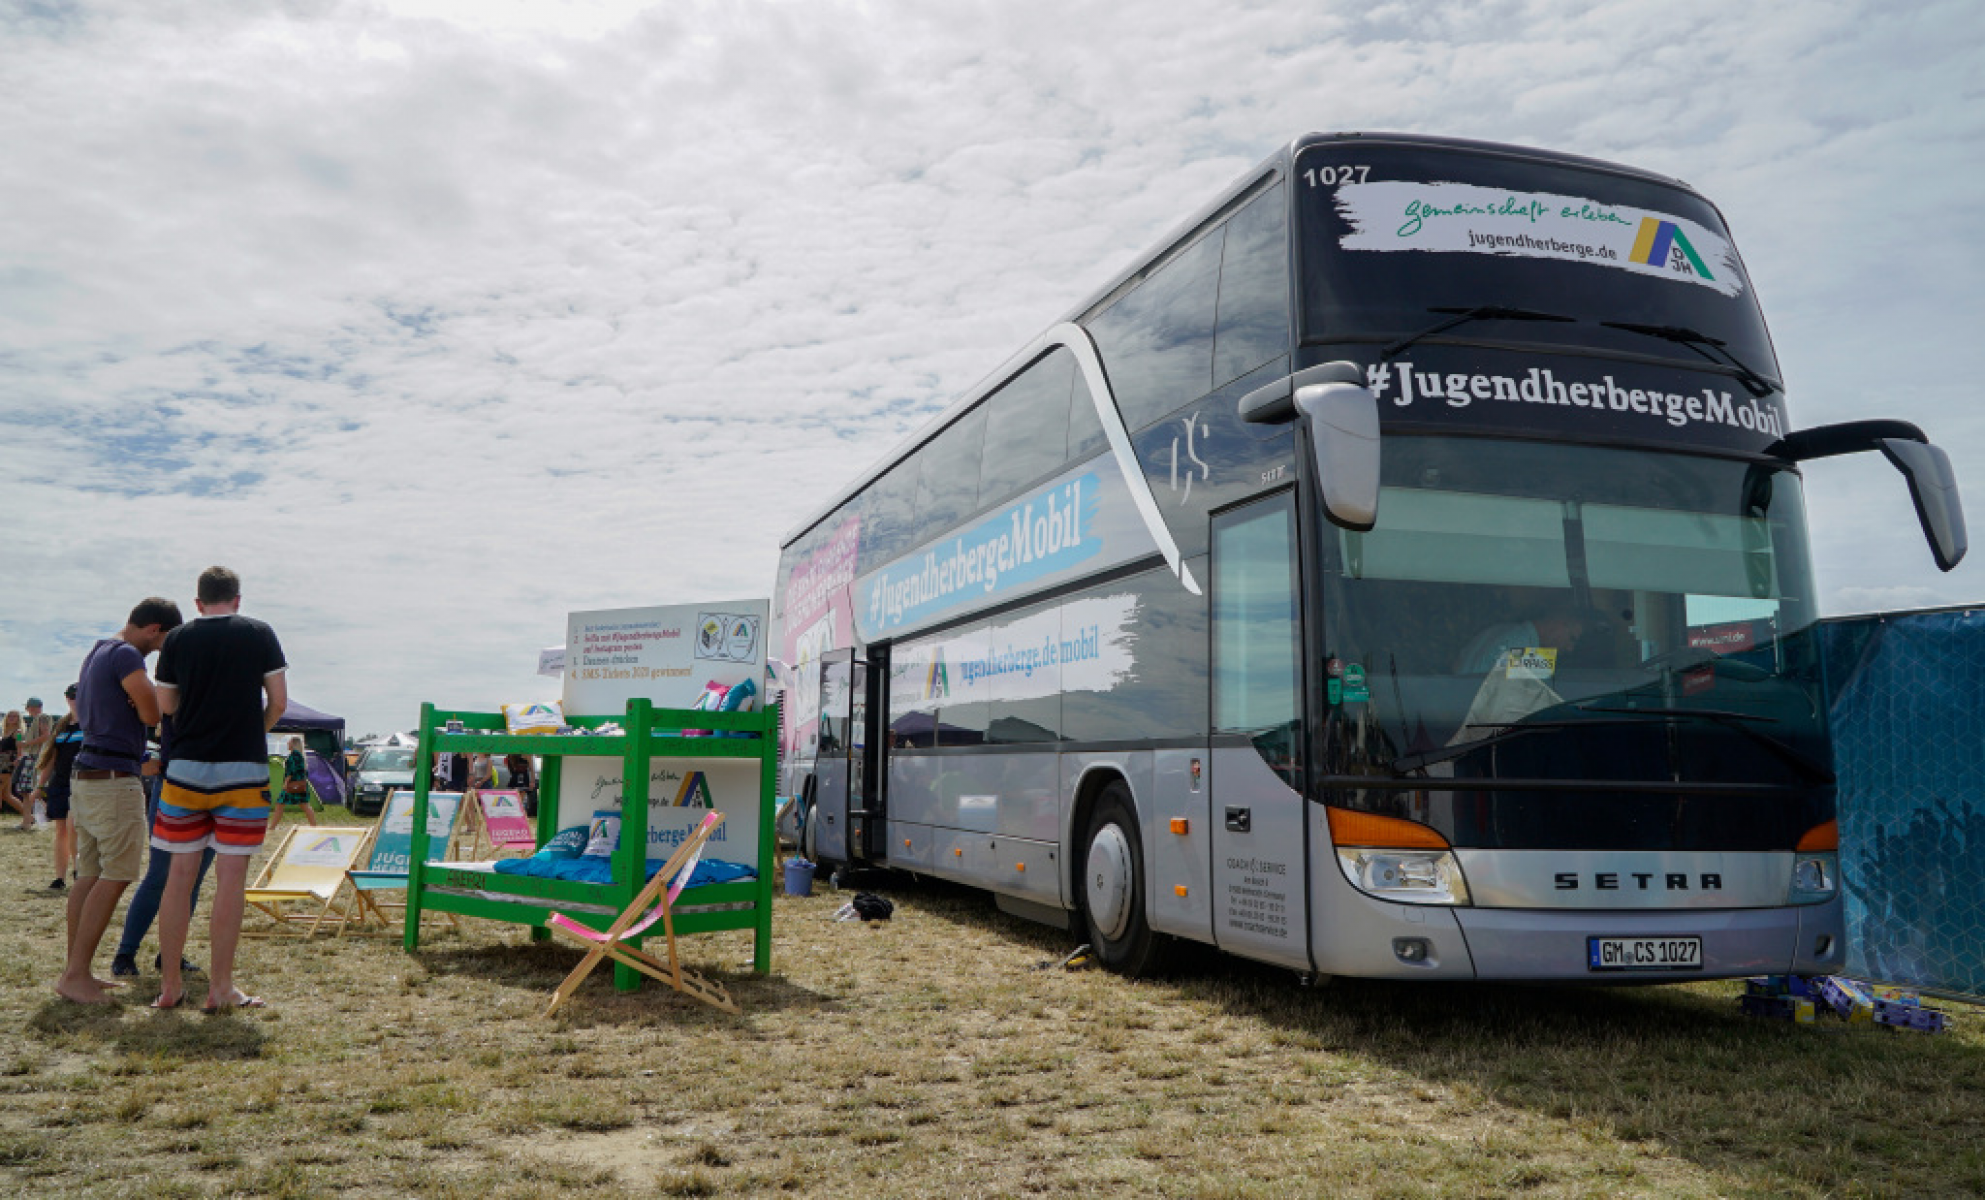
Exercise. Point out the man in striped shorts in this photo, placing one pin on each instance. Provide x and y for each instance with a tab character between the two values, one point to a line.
213	677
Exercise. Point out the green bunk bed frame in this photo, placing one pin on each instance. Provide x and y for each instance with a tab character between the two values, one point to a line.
648	733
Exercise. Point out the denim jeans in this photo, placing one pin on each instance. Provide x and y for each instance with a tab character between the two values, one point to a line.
144	908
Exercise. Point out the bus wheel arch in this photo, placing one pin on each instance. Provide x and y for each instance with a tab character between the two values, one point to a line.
1111	885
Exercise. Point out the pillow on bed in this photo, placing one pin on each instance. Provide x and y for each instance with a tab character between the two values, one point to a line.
604	835
568	844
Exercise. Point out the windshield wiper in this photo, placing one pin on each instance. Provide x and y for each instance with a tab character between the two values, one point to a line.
1481	312
1741	722
1703	344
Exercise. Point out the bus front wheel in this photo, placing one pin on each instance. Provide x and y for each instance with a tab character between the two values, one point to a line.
1113	889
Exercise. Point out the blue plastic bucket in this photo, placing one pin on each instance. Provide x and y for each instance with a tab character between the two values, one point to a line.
799	877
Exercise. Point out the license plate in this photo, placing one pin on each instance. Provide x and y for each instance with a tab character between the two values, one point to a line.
1644	953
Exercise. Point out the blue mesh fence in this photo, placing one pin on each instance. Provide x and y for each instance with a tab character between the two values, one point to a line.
1906	699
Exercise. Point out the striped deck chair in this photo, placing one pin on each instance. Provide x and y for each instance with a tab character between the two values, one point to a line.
661	892
302	882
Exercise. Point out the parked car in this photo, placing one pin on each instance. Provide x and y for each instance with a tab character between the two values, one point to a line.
382	769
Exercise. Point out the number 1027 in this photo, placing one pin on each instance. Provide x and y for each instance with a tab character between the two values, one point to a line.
1332	176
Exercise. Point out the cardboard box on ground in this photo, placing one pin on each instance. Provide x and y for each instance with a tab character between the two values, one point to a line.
669	654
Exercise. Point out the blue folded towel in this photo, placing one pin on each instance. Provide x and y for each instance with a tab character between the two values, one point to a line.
600	870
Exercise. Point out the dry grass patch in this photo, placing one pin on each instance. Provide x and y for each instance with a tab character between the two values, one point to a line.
927	1057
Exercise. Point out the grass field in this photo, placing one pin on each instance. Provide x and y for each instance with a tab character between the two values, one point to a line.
930	1056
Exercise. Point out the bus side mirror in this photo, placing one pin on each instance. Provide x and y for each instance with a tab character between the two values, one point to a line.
1933	489
1932	483
1343	422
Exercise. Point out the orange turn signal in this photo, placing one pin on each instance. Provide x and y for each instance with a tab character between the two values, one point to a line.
1180	825
1824	836
1019	866
1179	888
1348	828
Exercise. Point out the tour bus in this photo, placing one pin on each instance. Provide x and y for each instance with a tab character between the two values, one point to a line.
1400	571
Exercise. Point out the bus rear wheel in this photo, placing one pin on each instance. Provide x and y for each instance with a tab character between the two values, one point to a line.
1113	889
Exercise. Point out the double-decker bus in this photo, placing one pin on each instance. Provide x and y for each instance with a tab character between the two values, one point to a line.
1400	571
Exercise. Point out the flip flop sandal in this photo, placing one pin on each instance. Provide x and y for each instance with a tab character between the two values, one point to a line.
246	1001
162	1006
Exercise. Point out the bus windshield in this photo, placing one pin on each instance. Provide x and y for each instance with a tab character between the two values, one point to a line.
1660	603
1392	236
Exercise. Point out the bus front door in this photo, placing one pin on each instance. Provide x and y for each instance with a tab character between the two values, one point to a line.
1260	865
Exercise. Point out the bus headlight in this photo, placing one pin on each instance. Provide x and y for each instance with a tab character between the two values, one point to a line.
1814	877
1405	876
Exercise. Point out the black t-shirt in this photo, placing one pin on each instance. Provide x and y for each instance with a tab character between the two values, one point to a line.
217	664
68	743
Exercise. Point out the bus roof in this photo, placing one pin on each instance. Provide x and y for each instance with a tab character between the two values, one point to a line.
1164	249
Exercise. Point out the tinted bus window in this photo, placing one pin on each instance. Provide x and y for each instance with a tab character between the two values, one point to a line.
935	696
1255	638
948	480
1132	656
1085	428
1254	289
887	511
1157	341
1021	678
1353	289
1026	428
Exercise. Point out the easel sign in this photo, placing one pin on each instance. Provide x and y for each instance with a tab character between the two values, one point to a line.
503	819
680	791
666	654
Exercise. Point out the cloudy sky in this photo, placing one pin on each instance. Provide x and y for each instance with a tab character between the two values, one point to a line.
439	320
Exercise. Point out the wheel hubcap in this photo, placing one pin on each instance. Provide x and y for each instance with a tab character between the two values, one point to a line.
1107	879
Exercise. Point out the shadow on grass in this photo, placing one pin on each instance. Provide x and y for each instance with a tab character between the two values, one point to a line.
180	1033
540	967
1771	1106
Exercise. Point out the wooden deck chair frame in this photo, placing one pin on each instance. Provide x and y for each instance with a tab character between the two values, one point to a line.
636	919
366	907
303	911
473	830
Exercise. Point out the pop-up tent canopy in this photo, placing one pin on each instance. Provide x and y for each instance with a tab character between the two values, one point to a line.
324	741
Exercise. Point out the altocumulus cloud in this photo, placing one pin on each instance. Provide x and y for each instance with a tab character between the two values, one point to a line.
438	321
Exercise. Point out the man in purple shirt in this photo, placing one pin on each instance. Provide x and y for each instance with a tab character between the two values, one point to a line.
115	701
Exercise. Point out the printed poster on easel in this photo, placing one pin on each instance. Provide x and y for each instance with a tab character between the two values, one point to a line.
669	654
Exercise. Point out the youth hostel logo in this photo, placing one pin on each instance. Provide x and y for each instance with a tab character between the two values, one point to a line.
1663	244
694	792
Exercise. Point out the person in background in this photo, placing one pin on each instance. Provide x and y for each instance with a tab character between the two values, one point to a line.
10	755
482	772
144	906
221	677
114	701
519	766
35	732
296	786
58	758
